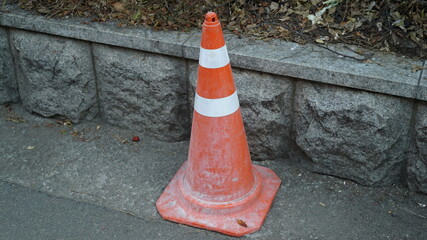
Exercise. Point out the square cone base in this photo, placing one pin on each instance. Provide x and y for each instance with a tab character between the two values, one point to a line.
235	221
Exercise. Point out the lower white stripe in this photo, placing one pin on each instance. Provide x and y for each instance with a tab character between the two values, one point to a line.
214	58
218	107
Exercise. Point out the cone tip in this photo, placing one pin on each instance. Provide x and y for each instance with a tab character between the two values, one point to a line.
211	19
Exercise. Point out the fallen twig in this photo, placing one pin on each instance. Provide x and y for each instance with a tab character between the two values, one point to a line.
347	56
124	141
412	212
15	119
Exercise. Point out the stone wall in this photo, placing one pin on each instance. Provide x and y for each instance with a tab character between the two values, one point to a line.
143	91
352	134
417	157
55	75
8	85
370	135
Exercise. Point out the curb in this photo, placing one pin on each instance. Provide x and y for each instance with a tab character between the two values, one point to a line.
387	74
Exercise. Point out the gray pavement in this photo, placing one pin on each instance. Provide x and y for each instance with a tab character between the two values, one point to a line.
29	214
83	182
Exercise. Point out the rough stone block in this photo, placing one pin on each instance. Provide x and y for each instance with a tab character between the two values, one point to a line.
8	86
417	161
143	91
422	86
352	134
266	105
55	75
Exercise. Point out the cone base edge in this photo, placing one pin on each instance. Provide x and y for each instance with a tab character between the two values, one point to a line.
172	206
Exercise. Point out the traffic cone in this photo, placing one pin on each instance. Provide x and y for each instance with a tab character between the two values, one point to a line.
218	188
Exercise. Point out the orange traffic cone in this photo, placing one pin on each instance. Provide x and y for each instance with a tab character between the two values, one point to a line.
218	188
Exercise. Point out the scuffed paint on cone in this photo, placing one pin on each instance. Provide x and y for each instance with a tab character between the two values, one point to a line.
218	188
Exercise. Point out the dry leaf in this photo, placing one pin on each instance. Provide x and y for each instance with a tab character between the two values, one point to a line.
250	26
242	223
274	6
315	2
15	119
68	123
118	6
285	18
417	68
44	10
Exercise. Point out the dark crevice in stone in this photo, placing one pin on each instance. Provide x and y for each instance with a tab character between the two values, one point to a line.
15	64
411	142
97	85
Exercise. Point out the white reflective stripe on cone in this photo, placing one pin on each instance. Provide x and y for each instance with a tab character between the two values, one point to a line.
214	58
218	107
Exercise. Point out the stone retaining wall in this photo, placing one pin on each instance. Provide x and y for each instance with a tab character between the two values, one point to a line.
55	75
353	134
144	91
339	117
8	86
